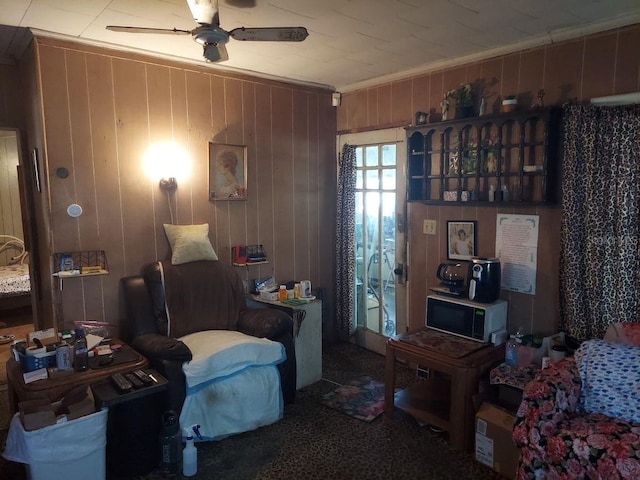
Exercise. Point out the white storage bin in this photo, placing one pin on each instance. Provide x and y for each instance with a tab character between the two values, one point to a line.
74	450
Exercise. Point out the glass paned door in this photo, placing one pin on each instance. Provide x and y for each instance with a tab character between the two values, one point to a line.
375	238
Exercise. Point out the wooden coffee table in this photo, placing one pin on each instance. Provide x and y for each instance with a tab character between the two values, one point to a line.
53	389
445	399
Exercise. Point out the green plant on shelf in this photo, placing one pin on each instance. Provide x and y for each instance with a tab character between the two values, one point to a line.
463	95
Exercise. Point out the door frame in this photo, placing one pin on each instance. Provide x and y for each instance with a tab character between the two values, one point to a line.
364	337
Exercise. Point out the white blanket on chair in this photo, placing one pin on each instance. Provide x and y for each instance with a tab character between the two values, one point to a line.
233	383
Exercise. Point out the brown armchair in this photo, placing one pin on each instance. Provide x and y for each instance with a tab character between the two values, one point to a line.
149	330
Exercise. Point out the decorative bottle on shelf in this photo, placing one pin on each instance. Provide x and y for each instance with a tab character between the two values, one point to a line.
511	352
80	352
492	193
282	293
504	193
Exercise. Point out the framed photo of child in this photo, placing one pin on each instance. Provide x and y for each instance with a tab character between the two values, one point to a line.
227	172
461	239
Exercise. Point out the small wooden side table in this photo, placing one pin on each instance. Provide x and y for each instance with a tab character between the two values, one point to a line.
126	360
445	399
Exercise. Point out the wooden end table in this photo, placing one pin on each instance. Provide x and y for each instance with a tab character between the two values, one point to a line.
445	399
54	389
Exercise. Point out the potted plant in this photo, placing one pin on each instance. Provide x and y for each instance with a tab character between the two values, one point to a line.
463	96
509	103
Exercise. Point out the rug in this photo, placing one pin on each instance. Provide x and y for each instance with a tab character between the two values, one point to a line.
362	398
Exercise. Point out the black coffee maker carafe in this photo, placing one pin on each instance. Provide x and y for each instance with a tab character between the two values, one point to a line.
484	279
452	276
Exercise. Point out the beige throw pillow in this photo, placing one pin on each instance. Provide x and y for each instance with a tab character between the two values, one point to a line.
189	243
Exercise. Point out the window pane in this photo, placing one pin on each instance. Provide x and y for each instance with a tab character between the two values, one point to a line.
359	180
389	179
389	213
373	181
371	156
359	156
388	155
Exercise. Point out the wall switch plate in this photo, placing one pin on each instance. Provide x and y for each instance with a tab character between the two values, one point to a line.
429	227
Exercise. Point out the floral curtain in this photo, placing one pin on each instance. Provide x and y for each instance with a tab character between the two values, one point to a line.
600	238
345	242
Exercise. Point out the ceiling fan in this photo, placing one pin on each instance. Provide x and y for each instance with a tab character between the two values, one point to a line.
213	37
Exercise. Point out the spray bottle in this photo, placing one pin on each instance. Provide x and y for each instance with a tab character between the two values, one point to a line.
190	452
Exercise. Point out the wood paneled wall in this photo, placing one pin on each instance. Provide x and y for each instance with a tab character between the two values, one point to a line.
11	109
10	218
102	109
597	65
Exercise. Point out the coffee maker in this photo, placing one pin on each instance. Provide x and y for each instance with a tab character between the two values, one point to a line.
484	279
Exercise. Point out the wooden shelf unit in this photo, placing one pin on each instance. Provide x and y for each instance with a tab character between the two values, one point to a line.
457	161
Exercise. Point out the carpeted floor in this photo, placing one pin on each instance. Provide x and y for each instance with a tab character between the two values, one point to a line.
314	441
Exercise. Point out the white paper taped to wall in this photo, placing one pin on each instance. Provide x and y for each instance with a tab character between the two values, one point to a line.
517	249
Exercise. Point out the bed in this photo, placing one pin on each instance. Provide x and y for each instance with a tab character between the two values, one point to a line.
15	285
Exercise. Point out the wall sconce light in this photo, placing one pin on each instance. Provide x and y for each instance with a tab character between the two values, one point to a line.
168	185
167	162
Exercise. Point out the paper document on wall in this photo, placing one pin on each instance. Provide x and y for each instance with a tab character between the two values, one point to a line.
517	249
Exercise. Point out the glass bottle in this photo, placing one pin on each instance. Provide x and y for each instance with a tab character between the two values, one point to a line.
80	352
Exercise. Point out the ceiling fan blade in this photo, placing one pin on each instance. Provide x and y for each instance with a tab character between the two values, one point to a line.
205	12
120	28
270	34
215	52
241	3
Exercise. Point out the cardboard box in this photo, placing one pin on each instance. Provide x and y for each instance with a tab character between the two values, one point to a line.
494	446
40	413
36	414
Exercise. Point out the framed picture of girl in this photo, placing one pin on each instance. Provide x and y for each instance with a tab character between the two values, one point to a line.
461	239
227	172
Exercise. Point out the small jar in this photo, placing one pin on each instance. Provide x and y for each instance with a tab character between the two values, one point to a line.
296	290
282	293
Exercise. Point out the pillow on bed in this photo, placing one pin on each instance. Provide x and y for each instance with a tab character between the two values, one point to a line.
610	379
189	243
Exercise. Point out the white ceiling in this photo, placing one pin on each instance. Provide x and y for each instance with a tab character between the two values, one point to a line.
351	43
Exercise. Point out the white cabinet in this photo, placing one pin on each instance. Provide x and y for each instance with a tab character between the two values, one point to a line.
308	338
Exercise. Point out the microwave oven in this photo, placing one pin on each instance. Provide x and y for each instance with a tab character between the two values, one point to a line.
464	318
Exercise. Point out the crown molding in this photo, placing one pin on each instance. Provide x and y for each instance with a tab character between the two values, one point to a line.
549	38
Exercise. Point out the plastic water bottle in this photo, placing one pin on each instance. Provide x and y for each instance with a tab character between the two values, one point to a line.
189	455
511	352
170	443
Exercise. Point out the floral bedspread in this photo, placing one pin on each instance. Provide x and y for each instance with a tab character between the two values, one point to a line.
14	280
557	441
